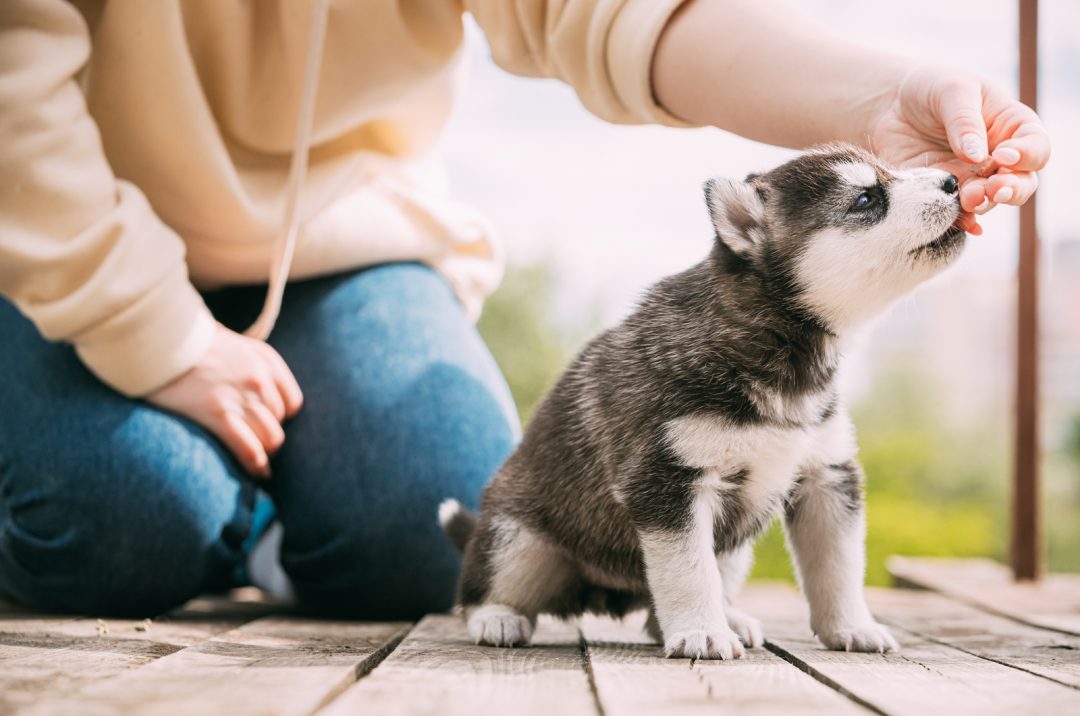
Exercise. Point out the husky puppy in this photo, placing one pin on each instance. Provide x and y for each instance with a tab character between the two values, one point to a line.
674	438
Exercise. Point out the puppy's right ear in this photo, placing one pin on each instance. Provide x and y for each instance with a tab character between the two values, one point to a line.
737	213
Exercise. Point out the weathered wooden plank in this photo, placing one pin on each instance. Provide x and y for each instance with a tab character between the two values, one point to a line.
53	657
437	670
632	678
274	665
1052	603
925	678
1047	653
242	603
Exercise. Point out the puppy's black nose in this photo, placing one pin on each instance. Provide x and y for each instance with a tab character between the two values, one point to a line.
950	185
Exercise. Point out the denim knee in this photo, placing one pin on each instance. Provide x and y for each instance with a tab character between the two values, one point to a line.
386	557
130	523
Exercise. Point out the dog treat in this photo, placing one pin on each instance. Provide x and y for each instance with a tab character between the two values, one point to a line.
670	443
987	167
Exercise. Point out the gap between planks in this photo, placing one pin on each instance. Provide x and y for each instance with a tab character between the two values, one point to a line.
436	669
605	667
1045	653
1052	603
274	665
957	659
929	675
56	656
634	678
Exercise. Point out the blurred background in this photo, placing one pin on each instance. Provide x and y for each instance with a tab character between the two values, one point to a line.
591	214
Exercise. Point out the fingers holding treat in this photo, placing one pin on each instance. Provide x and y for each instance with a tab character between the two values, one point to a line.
1017	137
1013	188
972	193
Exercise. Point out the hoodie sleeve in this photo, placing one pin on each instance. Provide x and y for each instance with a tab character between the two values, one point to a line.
82	254
602	48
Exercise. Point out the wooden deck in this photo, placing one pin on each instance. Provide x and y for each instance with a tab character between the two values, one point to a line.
976	645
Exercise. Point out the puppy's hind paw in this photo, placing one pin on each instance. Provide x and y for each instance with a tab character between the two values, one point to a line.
747	627
499	625
868	636
652	628
718	643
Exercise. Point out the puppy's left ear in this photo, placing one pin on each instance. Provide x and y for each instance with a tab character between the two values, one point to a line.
737	212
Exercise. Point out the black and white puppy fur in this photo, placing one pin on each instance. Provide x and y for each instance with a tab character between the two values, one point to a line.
674	438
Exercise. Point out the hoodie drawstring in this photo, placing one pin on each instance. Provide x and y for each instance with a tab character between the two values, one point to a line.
285	245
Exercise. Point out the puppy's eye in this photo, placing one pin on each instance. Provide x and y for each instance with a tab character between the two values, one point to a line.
864	201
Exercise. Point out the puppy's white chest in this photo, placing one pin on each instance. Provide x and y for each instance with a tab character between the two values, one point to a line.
761	462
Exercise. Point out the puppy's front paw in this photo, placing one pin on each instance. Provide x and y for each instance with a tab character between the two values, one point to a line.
859	636
499	625
746	627
714	643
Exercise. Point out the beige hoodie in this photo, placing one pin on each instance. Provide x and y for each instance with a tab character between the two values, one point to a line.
146	146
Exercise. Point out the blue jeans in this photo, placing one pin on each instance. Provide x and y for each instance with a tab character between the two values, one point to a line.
110	506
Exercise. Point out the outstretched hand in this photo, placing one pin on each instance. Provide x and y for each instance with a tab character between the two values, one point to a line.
957	122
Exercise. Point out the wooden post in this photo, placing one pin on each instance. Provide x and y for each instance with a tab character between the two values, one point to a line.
1026	548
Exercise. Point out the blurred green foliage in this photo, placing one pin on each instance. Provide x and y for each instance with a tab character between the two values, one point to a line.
517	327
1072	441
1062	470
932	488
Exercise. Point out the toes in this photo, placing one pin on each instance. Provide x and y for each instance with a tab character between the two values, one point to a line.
889	642
746	627
875	639
752	637
497	625
870	637
702	644
674	649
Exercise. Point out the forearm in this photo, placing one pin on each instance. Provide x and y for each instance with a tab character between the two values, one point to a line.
82	254
753	69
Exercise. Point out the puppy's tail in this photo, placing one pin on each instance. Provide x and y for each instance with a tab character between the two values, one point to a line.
457	522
